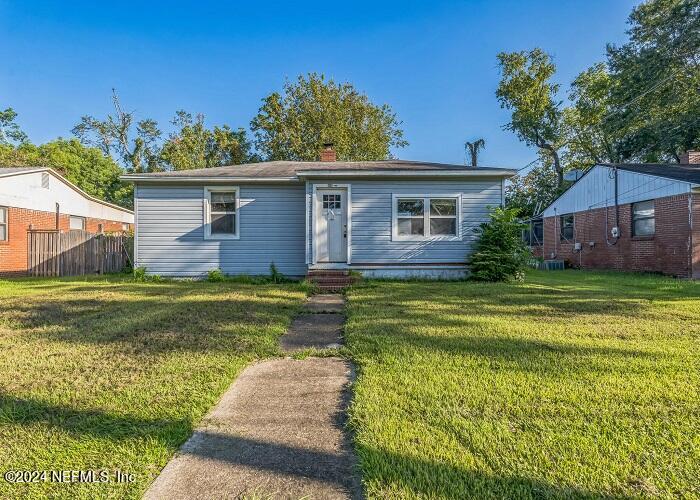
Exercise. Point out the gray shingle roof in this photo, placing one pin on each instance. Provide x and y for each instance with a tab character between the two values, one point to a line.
673	171
290	169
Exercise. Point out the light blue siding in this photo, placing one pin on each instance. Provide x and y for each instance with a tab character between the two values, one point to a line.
372	220
171	233
597	190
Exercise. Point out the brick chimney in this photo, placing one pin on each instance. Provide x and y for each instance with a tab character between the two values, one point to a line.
328	152
690	158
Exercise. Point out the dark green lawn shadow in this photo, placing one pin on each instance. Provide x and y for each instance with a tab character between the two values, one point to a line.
155	323
92	422
431	479
505	352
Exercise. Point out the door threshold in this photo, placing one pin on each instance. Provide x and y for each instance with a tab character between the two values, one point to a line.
329	265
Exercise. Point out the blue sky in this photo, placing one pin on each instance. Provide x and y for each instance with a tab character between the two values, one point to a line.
433	62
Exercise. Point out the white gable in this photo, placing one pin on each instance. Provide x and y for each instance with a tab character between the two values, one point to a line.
29	190
596	189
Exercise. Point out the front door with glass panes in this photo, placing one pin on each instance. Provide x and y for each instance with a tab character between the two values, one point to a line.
331	226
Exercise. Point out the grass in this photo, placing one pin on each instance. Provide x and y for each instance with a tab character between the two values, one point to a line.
570	385
106	374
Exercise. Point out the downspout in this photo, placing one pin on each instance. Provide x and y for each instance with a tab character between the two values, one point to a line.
58	211
556	234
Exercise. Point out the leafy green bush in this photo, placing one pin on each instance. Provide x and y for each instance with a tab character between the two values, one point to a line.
140	274
215	276
500	253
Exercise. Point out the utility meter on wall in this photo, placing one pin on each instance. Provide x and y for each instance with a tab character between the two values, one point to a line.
615	232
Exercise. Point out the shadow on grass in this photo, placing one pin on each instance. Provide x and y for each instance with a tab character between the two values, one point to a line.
95	423
519	350
544	295
420	477
431	479
154	319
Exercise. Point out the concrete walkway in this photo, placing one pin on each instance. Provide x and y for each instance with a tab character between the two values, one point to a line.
278	432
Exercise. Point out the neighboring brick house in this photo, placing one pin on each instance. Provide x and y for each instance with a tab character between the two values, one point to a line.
631	217
39	198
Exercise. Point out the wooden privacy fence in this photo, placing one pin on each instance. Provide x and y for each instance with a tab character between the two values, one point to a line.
75	253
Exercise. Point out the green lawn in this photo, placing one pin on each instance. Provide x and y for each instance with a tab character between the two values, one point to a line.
111	374
572	384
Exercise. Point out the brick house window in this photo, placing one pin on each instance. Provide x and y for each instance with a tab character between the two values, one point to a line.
643	218
4	235
77	223
566	224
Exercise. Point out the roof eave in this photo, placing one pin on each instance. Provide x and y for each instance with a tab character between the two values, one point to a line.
308	174
70	185
207	179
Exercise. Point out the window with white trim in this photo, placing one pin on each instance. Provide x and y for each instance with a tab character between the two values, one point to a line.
4	234
643	218
222	212
77	223
425	217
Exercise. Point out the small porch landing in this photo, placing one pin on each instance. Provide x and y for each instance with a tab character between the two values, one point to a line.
331	280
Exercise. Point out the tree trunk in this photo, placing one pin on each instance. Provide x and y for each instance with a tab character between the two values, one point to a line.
557	168
557	164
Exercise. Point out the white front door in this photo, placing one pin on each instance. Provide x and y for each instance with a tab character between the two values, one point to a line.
331	225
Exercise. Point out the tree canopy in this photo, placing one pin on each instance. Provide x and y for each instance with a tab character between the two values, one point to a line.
526	88
140	147
194	146
641	105
313	111
87	168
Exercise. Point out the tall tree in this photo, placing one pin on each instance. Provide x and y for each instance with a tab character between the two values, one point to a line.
591	136
87	168
136	143
657	81
527	90
472	149
10	132
312	111
195	146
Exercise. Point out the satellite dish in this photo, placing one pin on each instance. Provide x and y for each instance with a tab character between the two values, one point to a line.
573	175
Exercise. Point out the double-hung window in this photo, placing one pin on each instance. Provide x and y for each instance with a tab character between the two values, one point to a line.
222	213
643	218
4	234
566	227
423	217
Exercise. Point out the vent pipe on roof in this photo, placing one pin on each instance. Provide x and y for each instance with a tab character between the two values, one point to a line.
328	152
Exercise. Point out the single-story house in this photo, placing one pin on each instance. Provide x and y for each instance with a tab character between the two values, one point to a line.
41	199
630	217
384	218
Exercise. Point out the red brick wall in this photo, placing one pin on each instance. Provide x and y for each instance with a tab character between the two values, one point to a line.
668	251
13	252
